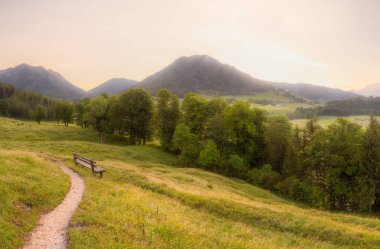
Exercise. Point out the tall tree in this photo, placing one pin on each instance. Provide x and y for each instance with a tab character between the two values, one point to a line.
209	158
99	116
240	121
39	113
64	112
371	150
195	112
137	108
168	115
278	134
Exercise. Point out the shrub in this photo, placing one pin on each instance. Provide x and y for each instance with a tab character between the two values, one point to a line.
265	176
235	166
209	157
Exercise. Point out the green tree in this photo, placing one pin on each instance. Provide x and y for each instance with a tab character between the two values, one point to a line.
39	113
240	121
235	166
64	112
371	150
186	143
209	157
137	107
194	112
168	115
98	116
335	163
278	134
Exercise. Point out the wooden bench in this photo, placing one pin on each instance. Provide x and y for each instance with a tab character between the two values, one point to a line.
88	163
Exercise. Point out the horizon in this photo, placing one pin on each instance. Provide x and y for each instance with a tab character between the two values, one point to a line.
139	81
89	42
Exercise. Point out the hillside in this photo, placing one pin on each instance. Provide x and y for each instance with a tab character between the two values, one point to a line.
314	92
112	86
370	90
205	75
40	80
144	201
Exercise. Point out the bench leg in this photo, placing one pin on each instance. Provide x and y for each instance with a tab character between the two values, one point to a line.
101	174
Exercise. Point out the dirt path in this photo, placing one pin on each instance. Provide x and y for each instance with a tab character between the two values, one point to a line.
51	232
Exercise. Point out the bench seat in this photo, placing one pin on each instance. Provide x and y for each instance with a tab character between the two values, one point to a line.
88	163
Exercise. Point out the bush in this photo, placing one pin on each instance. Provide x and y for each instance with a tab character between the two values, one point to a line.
265	177
300	191
210	156
235	166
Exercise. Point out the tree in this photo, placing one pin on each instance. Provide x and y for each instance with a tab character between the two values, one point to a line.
235	166
137	113
371	150
116	115
194	112
240	121
4	107
209	157
186	143
39	113
64	112
167	117
334	162
216	106
98	116
79	111
278	134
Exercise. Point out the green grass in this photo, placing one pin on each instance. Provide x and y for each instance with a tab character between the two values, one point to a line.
145	201
325	121
29	186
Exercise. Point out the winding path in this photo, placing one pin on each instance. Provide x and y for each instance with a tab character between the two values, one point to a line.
51	232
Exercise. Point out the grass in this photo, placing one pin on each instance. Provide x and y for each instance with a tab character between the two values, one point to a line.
145	201
325	121
29	186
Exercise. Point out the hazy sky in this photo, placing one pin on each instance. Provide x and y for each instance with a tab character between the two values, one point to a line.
328	42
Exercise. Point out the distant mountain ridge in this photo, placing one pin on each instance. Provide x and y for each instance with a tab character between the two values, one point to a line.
40	80
370	90
112	86
205	75
201	74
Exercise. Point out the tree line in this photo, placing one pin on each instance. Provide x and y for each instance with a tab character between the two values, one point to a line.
335	168
353	106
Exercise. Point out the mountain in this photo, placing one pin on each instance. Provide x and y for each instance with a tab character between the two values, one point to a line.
315	92
112	86
370	90
204	75
40	80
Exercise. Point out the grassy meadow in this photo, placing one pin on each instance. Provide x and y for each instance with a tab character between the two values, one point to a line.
29	186
325	121
146	200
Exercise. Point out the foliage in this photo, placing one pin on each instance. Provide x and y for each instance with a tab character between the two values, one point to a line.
39	113
209	158
168	114
187	143
64	112
137	114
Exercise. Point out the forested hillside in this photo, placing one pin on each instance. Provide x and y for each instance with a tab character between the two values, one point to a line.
353	106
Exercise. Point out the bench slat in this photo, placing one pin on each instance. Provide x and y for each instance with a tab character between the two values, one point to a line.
88	163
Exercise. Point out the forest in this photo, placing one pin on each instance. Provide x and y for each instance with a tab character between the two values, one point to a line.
352	106
336	168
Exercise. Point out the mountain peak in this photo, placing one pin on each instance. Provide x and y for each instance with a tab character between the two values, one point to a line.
40	80
205	75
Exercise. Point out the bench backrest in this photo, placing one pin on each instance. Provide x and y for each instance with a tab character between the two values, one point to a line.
79	159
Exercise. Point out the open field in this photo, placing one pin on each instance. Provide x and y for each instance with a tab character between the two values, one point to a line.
325	121
146	201
280	104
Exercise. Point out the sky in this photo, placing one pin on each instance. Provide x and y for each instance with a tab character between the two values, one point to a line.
333	43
